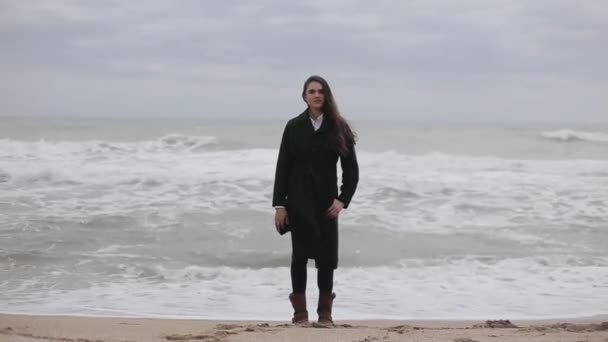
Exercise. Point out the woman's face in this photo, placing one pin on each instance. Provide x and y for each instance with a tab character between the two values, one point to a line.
314	96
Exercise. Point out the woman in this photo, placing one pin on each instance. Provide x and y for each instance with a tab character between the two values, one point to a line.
306	197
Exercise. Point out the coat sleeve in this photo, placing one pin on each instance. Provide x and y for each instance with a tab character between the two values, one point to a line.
283	169
350	176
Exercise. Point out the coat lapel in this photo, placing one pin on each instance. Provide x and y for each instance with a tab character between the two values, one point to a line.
324	125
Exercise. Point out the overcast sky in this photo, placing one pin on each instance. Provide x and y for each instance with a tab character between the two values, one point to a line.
501	60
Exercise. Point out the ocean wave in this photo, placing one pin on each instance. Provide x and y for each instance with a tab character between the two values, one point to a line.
185	142
531	287
4	177
569	135
138	268
50	149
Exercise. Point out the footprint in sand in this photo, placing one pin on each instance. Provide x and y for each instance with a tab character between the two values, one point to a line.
220	332
570	327
228	326
188	337
400	329
9	331
502	324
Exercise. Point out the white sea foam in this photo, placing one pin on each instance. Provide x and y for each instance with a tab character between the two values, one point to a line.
576	135
428	193
475	288
129	212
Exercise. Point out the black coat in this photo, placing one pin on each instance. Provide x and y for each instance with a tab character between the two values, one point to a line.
306	184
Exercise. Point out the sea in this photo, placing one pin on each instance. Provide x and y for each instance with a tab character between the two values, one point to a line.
172	218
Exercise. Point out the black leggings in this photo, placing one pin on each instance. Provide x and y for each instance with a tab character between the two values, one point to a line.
325	278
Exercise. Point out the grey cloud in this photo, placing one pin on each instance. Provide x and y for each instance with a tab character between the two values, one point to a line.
379	37
434	47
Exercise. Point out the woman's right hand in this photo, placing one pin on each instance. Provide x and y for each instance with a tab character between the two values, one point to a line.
281	219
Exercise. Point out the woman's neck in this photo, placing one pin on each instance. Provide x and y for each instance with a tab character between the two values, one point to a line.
315	113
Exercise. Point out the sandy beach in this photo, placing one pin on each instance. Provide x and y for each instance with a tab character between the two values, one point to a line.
25	328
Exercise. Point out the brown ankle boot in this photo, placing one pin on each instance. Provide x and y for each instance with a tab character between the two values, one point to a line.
326	300
300	313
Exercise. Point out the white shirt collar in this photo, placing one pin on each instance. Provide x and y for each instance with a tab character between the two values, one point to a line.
317	123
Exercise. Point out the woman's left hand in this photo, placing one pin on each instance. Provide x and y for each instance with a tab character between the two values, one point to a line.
335	209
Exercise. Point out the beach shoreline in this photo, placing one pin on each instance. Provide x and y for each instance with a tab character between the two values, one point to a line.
31	328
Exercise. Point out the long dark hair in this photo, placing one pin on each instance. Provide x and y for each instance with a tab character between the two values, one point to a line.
344	136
